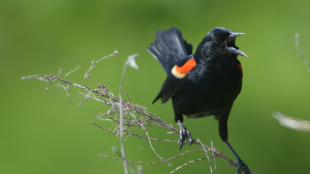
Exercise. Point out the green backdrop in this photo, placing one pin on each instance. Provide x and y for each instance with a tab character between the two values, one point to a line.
41	132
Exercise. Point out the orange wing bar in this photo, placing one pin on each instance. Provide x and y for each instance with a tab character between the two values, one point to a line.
180	72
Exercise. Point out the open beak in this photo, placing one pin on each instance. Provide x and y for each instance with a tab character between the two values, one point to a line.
230	43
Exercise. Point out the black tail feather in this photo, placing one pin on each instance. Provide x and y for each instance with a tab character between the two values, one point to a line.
169	48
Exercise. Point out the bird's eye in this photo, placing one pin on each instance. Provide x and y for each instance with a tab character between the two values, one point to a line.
217	40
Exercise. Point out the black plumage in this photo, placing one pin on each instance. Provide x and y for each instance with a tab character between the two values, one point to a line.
204	84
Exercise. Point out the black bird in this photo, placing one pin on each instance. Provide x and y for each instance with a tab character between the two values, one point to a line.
202	84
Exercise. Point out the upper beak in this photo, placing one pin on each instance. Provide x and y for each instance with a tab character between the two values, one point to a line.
233	35
233	50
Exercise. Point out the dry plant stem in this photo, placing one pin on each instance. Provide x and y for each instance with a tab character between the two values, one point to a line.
140	171
104	96
149	139
121	121
128	106
67	92
69	72
207	155
152	163
187	163
213	156
60	70
299	51
134	135
94	63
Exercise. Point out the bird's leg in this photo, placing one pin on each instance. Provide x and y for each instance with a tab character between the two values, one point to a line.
184	134
239	161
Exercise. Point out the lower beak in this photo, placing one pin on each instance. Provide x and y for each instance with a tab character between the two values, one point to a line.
232	50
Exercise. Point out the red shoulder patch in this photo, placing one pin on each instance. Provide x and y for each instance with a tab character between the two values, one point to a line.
180	72
240	68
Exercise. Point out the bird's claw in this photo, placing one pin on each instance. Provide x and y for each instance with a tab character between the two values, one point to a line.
184	134
241	164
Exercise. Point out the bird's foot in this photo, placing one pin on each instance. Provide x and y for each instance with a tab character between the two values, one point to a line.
241	164
184	135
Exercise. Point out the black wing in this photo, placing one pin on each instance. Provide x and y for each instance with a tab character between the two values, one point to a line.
169	88
169	48
175	80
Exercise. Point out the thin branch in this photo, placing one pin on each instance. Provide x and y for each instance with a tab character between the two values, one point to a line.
289	121
71	72
127	95
134	135
299	51
121	120
50	83
67	92
149	139
207	155
114	149
187	163
152	163
60	70
142	145
213	156
150	118
86	97
133	115
140	171
94	63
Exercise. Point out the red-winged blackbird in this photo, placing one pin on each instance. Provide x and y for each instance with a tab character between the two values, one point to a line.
204	84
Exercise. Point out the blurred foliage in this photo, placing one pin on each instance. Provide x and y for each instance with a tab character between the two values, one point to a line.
42	133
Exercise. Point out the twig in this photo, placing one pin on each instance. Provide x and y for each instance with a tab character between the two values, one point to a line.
121	121
112	101
130	58
135	135
187	163
71	72
86	97
114	149
152	163
140	171
94	63
213	156
148	137
127	95
60	70
299	51
142	145
67	92
207	155
141	116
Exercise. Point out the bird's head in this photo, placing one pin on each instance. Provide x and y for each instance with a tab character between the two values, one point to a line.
220	41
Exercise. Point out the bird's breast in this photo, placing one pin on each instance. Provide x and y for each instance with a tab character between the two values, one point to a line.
210	88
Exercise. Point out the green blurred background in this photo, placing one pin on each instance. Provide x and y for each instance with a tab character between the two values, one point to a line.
41	132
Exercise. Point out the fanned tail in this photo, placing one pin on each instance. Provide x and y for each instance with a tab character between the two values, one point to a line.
169	48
